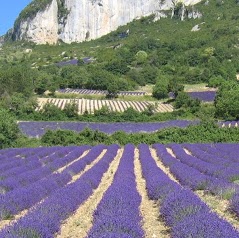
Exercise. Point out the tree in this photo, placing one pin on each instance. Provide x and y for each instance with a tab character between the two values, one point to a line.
51	112
130	114
185	101
112	90
71	110
141	57
215	81
227	104
160	90
9	131
175	87
103	111
17	78
119	67
149	74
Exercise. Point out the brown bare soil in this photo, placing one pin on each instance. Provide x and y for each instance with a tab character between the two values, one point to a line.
89	166
219	206
64	167
4	223
216	204
80	222
149	209
161	166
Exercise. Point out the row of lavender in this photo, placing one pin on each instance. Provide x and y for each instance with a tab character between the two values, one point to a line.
181	209
118	214
101	92
212	168
45	218
205	96
37	129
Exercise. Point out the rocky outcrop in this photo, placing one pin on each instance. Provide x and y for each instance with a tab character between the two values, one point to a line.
87	19
41	29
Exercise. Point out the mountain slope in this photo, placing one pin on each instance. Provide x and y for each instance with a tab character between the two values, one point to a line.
49	21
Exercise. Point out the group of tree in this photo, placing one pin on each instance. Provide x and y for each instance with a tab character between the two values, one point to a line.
205	132
227	101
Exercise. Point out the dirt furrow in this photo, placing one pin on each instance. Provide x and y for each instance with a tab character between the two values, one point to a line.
88	166
170	151
149	209
219	206
161	166
216	204
81	222
64	167
187	151
4	223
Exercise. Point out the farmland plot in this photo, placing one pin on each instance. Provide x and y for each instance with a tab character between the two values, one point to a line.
108	191
90	106
38	128
100	92
228	124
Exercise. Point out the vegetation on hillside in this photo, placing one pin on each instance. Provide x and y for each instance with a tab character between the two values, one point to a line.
206	132
164	53
153	50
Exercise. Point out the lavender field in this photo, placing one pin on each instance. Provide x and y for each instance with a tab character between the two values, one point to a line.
205	96
228	123
100	92
109	191
92	105
37	129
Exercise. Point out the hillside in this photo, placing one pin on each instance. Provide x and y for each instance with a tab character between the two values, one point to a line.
154	57
50	21
170	45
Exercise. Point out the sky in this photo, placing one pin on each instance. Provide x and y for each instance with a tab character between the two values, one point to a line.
9	11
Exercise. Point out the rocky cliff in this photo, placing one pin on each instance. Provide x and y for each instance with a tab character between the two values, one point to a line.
80	20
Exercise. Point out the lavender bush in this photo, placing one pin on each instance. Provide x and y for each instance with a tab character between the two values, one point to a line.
180	208
206	96
45	218
37	129
118	211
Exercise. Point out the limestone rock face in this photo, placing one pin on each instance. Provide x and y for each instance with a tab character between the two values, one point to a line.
43	28
88	19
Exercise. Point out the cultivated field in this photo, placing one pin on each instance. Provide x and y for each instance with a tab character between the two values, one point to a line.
175	190
229	123
100	92
38	128
90	106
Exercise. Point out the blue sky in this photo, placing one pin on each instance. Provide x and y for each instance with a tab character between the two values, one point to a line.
9	11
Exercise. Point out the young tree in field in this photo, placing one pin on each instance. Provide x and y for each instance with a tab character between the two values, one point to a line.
141	57
71	110
113	90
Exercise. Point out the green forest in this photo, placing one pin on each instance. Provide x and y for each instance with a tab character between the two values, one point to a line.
165	54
